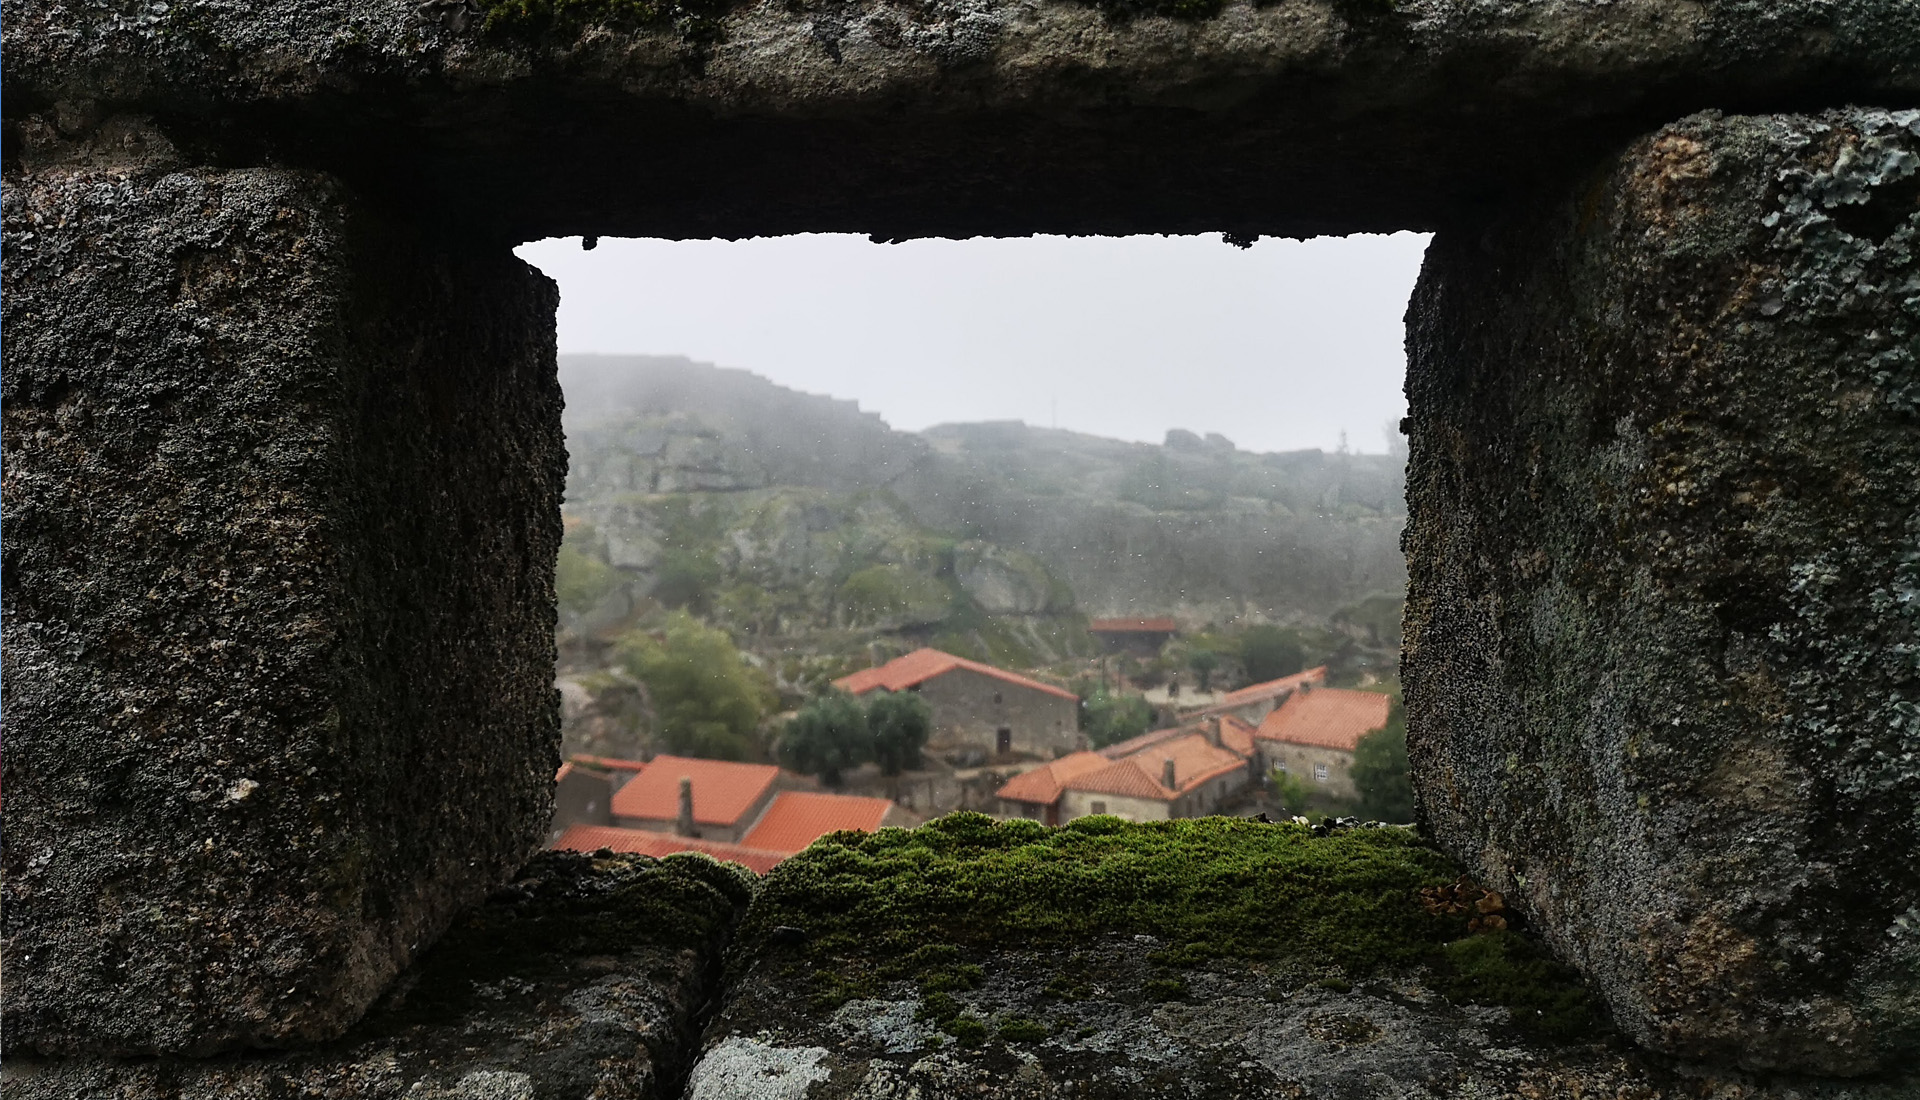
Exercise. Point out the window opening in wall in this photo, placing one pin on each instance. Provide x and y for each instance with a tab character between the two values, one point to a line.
1128	484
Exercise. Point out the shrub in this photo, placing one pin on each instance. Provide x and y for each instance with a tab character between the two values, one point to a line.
899	725
1268	653
706	700
1380	771
1108	719
827	737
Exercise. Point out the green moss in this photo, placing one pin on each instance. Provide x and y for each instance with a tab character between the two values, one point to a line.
969	1031
911	903
937	1008
1165	989
1021	1029
1502	968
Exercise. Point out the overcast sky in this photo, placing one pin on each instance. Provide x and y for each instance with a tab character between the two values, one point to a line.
1277	347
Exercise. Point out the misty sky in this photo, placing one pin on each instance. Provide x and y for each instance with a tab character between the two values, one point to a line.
1277	347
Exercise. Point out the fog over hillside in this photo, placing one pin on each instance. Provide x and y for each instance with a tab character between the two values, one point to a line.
755	480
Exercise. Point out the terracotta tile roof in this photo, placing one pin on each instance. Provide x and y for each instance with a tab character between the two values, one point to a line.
565	770
1255	693
592	838
1126	626
1042	785
723	791
610	763
1131	745
1328	718
1195	761
798	818
1236	734
924	664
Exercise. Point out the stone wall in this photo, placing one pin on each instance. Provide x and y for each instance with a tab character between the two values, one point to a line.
1665	547
281	493
969	708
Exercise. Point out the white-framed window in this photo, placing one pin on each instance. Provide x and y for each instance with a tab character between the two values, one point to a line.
1319	773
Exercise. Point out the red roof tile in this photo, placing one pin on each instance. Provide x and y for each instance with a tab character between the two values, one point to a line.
1255	693
1195	761
1141	626
1328	718
592	838
565	770
723	791
798	818
610	763
1042	785
1121	749
1236	734
924	664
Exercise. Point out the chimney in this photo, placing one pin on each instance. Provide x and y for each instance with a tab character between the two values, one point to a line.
683	824
1213	731
1166	776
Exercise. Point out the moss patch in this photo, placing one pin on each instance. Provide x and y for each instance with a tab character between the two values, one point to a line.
911	904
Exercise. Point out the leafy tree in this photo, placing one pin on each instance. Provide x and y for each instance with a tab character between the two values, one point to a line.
706	700
1380	770
581	580
899	724
828	736
1108	719
1268	653
685	578
1203	662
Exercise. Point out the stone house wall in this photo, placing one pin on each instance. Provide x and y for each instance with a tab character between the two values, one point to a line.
1301	760
969	709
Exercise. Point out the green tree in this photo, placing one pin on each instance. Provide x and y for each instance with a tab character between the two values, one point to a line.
581	580
1203	662
706	700
828	736
1268	653
1108	718
685	578
1380	771
899	724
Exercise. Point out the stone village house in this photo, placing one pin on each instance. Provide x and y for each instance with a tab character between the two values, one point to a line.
978	706
1186	771
1314	733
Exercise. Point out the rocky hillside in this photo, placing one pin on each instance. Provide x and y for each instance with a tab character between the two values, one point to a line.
788	517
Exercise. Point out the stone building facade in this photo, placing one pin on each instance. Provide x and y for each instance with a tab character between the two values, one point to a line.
976	706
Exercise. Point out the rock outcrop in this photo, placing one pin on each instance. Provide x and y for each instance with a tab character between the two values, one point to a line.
1665	544
583	977
281	491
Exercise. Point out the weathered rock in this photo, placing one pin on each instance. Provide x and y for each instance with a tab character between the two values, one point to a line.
582	978
281	495
1665	605
695	118
857	978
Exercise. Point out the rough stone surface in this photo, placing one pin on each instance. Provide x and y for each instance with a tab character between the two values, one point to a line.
281	489
583	978
948	117
1661	639
1101	1021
